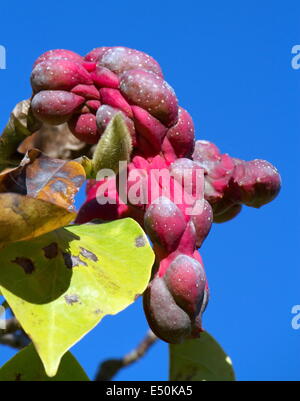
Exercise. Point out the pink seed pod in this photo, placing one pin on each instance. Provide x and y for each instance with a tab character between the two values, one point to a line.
105	114
186	280
197	326
58	74
164	223
96	54
113	98
121	59
84	127
103	77
203	222
93	105
167	320
149	127
256	182
182	135
55	107
189	174
206	153
152	93
59	54
86	91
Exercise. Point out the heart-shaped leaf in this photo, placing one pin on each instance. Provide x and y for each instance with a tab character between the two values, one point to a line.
60	285
201	359
27	366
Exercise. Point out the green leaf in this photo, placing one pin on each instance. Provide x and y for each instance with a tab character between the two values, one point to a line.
201	359
114	146
60	285
27	366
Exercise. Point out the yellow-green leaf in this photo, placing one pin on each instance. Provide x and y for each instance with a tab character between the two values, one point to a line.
201	359
23	217
27	366
60	285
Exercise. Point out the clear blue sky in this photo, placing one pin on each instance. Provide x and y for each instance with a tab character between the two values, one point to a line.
230	64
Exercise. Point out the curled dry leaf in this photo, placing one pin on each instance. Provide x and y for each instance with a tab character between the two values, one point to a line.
20	125
41	177
37	196
56	141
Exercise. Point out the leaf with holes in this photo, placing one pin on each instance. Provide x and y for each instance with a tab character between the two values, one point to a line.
60	285
202	359
27	366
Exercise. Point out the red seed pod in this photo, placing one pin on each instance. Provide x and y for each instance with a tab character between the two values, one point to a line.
202	222
87	91
59	54
95	55
93	105
58	74
165	223
103	77
256	182
167	320
55	107
84	127
152	130
182	135
152	93
121	59
186	280
113	98
105	114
